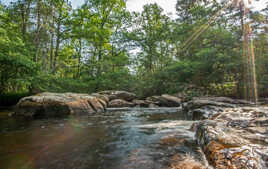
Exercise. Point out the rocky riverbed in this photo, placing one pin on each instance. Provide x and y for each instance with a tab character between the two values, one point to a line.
136	138
229	133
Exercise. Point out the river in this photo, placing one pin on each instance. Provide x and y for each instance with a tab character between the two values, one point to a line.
117	139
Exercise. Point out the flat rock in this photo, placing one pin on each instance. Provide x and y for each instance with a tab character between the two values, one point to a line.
235	138
205	107
59	104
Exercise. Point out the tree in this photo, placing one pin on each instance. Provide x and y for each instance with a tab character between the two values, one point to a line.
16	66
101	46
61	7
151	36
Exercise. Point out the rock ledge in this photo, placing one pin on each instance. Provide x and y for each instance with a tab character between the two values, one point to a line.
59	104
235	138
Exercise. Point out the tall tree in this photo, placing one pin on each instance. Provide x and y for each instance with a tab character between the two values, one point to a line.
62	8
151	34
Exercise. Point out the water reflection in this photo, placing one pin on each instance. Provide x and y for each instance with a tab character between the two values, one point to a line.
134	138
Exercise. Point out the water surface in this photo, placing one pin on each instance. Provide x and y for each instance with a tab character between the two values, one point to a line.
117	139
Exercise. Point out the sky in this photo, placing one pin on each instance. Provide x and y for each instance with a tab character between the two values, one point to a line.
137	5
167	5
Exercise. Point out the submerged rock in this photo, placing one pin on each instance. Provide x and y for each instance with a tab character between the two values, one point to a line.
186	162
235	138
118	103
59	104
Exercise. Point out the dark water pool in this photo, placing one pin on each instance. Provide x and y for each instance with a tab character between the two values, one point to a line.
117	139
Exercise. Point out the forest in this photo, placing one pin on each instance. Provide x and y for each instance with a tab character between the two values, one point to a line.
47	45
99	86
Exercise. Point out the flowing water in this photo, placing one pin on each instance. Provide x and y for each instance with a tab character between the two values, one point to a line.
117	139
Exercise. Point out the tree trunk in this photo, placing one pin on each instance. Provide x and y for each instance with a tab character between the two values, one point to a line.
25	13
23	26
57	47
51	37
51	49
79	58
37	38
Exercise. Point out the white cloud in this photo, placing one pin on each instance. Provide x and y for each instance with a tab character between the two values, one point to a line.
137	5
169	5
259	5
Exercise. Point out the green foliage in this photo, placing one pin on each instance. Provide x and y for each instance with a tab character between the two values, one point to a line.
16	66
52	83
172	79
48	46
117	80
151	33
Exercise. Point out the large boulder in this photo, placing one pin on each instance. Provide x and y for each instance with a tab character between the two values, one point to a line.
123	95
59	104
170	101
164	101
205	107
235	138
118	103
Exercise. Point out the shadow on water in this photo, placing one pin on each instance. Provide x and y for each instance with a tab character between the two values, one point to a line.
117	139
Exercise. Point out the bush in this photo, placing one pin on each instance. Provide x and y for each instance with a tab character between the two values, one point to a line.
228	89
172	79
50	83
